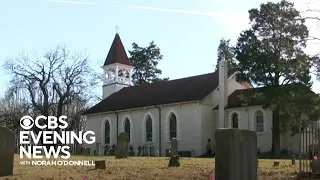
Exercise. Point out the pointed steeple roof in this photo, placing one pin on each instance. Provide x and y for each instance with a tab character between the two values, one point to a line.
117	53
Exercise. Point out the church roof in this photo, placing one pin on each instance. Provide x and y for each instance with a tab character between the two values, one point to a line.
117	53
236	98
255	96
159	93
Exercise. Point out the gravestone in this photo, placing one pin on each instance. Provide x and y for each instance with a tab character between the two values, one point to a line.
174	147
315	166
106	150
293	160
122	145
7	142
236	154
113	149
145	151
100	164
139	151
131	151
174	160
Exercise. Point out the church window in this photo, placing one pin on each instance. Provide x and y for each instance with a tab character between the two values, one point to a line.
127	127
173	126
259	121
127	74
235	120
148	129
107	132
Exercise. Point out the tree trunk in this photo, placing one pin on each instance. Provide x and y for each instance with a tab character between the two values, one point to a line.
276	132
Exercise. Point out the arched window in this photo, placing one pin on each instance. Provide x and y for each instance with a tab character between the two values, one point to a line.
127	127
258	117
173	126
148	129
235	120
107	132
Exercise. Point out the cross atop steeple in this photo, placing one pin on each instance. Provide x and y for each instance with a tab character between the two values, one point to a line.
117	28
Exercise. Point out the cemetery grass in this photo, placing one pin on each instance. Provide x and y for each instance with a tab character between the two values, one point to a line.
140	168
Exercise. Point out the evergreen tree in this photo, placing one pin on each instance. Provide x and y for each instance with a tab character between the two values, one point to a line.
145	61
226	51
271	54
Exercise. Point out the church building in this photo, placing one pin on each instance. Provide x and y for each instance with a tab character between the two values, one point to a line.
189	109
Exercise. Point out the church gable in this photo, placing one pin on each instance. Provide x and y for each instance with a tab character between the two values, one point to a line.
213	97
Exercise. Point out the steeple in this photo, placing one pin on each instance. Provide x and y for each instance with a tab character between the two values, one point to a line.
117	68
117	53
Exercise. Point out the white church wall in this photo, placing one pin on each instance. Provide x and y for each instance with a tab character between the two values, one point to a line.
246	120
188	127
246	117
96	123
208	126
137	120
213	97
208	116
290	142
107	90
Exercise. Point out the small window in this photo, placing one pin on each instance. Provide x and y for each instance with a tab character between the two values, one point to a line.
107	132
173	126
149	129
235	121
127	127
259	121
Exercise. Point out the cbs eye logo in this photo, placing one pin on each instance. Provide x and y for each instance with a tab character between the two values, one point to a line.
26	122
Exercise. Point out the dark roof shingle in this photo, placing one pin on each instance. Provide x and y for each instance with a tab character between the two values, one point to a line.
240	98
162	92
117	53
256	96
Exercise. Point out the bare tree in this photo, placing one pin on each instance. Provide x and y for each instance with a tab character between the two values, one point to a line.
312	16
73	111
312	13
12	107
58	83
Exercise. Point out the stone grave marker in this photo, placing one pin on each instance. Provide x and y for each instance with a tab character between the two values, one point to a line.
113	149
131	151
174	160
122	145
139	149
7	141
100	164
236	154
293	160
174	147
106	150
